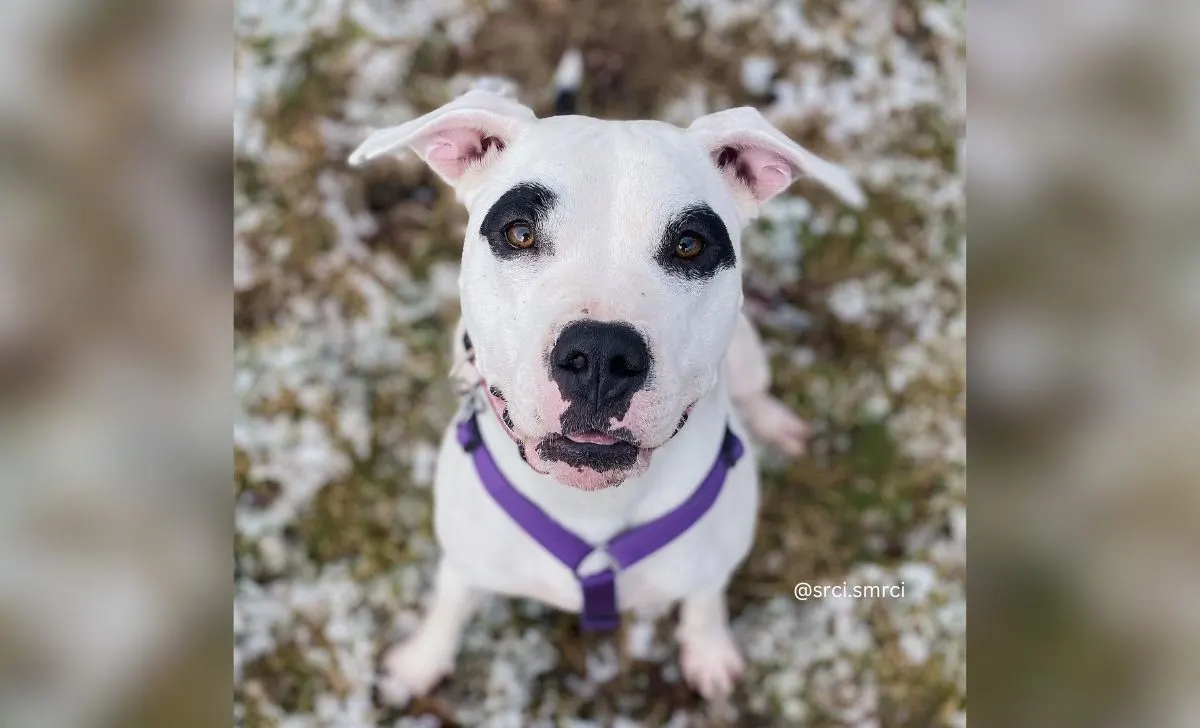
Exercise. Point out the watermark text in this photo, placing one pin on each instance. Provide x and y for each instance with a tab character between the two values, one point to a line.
805	591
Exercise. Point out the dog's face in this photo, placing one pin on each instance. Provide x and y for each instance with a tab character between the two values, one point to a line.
601	275
600	295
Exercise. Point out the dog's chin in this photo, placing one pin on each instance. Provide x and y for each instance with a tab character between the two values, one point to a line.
587	465
585	478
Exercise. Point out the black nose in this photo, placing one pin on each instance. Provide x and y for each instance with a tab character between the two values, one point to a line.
600	365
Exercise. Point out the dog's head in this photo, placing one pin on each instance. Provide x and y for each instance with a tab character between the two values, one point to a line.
601	272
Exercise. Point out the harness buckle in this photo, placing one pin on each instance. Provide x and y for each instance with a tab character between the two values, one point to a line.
600	549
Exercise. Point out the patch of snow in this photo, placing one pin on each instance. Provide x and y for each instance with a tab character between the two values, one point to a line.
848	301
757	73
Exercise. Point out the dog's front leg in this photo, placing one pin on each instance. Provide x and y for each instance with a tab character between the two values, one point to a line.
749	379
416	665
708	656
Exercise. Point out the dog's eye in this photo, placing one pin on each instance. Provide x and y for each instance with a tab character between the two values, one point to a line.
520	235
689	245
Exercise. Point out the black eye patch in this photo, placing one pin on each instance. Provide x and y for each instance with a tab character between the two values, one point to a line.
529	202
717	253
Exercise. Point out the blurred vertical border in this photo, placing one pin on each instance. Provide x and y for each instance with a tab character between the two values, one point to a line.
1084	395
115	363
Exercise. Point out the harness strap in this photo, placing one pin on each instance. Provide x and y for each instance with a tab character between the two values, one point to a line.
600	611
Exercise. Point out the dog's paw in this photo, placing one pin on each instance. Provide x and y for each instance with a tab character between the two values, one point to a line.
711	663
771	421
413	668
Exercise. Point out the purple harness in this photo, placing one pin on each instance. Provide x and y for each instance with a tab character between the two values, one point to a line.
625	549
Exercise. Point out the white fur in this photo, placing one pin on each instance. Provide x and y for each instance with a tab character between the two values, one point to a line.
617	185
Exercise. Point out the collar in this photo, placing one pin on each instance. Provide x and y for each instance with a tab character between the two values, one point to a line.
627	548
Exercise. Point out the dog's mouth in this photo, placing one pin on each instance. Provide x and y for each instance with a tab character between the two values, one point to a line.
594	451
592	438
584	458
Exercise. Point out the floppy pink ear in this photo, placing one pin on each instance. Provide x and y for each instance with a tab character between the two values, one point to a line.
455	140
760	159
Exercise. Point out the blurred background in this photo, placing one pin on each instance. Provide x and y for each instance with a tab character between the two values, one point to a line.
346	294
115	360
1085	385
115	506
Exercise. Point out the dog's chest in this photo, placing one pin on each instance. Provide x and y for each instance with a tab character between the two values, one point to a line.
495	554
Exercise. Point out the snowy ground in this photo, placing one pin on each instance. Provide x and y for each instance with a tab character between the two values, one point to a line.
345	286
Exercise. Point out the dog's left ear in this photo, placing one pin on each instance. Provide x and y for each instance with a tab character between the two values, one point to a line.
757	158
456	140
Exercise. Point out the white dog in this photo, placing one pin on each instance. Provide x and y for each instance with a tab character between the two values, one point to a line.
597	463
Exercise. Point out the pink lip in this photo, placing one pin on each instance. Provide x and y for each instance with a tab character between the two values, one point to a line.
593	438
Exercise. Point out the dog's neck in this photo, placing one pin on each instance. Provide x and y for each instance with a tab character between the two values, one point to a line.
675	470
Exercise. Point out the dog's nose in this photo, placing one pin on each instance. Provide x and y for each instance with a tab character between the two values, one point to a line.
600	364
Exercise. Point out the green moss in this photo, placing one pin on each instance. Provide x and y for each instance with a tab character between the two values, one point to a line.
259	493
263	47
241	463
356	519
824	513
249	491
255	717
317	82
911	695
288	678
310	235
932	138
245	559
286	402
352	301
872	452
248	179
434	58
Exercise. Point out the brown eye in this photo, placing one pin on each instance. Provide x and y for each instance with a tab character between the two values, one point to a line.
520	235
689	245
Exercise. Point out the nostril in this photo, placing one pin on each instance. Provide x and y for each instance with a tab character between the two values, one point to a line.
575	362
623	366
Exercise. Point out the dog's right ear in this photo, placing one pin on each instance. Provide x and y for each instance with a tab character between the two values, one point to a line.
760	161
456	140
